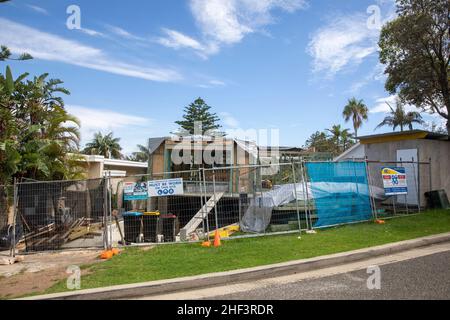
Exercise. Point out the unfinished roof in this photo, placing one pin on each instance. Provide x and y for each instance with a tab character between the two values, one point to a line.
403	135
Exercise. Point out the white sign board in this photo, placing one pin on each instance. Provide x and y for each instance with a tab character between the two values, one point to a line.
164	188
394	181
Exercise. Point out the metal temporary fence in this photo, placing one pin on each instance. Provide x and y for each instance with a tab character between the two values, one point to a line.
419	183
339	191
235	201
59	215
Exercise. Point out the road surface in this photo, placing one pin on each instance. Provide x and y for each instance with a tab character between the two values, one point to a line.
422	273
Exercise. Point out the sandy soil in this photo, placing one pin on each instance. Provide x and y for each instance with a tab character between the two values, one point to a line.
39	272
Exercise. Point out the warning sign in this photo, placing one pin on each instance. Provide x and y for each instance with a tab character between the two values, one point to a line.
164	188
394	181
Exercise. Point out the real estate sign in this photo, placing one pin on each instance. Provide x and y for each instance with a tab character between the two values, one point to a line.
394	181
164	188
135	191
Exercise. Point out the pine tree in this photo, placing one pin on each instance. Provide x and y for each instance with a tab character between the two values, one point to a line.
199	111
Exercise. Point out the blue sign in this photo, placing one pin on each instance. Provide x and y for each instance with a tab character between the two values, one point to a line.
394	181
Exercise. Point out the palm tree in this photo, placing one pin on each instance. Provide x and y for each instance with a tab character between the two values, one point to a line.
340	137
357	111
398	117
346	139
104	145
142	155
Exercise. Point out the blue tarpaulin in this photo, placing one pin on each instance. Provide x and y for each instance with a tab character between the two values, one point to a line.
348	205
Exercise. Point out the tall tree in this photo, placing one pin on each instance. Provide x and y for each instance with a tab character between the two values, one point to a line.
199	112
141	155
320	142
37	136
398	117
104	145
340	138
415	48
356	111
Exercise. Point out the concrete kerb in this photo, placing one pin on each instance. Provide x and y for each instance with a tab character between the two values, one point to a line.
214	279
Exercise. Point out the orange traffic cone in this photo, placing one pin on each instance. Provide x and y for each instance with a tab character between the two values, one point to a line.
217	239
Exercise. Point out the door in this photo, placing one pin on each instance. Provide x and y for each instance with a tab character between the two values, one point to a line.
412	171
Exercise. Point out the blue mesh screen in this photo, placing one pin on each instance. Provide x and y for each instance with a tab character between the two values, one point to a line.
340	191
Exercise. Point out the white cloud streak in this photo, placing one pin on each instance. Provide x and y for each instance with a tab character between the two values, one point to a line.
344	41
38	9
382	105
227	22
123	33
131	129
46	46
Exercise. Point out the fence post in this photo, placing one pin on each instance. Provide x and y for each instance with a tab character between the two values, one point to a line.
296	198
105	213
305	179
204	192
202	204
373	205
15	196
110	211
415	183
215	200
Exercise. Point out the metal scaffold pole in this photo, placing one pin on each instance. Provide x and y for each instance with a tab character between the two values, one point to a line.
296	199
215	200
15	195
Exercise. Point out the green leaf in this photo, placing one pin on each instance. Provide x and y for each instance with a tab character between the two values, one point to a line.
9	80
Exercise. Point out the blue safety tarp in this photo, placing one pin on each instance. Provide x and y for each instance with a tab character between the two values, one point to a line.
341	205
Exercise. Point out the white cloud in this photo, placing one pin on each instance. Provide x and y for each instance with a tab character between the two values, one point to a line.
227	22
123	33
212	84
38	9
46	46
381	105
344	41
347	39
177	40
91	32
377	74
229	120
131	129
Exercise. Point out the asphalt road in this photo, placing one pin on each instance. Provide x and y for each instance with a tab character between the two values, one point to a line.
426	277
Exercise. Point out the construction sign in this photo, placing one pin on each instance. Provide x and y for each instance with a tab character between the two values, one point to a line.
164	188
394	181
135	191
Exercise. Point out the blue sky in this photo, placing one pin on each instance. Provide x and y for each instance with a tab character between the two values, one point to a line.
261	64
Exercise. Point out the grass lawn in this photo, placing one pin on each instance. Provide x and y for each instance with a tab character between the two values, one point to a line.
171	261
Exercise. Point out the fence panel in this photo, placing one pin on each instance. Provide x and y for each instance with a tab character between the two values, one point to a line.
413	200
256	199
340	192
147	214
61	214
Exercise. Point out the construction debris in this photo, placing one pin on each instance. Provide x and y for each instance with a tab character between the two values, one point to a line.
52	236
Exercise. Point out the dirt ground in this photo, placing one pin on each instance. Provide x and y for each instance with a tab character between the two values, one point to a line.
38	272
